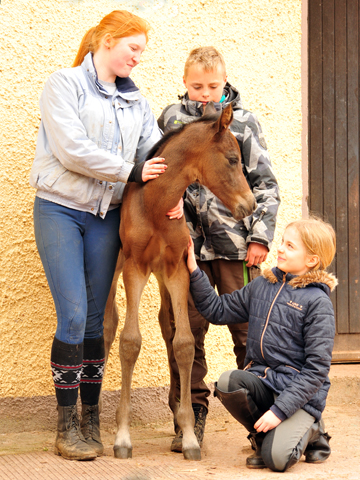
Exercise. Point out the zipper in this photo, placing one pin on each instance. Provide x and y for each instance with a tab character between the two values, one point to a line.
249	365
264	210
268	316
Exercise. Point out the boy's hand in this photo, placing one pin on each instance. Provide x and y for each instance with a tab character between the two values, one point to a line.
256	253
178	211
153	168
191	260
267	422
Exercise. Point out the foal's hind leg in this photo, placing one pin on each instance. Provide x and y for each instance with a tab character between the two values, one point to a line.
183	345
166	320
130	343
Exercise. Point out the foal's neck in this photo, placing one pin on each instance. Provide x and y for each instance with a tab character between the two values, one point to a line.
163	193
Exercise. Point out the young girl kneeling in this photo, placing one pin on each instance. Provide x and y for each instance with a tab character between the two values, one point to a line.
281	393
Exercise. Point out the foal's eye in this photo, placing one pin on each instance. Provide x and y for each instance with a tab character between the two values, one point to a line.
233	160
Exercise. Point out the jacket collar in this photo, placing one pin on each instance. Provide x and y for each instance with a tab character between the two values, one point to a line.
232	96
316	278
123	85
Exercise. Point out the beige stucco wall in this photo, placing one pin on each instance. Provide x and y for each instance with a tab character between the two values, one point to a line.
261	42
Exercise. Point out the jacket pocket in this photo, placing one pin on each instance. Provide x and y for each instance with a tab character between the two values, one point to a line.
50	179
293	368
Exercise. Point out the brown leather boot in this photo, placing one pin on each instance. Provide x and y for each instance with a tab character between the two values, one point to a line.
90	427
70	442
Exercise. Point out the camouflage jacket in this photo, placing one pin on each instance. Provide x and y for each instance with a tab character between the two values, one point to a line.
215	232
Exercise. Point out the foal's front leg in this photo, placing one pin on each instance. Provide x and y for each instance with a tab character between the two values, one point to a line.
184	350
130	344
111	315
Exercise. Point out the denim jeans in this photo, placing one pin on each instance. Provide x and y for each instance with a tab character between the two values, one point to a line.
79	252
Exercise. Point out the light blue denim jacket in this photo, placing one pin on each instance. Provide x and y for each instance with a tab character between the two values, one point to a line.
88	140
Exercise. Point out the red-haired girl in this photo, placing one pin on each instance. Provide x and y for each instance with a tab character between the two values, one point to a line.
94	124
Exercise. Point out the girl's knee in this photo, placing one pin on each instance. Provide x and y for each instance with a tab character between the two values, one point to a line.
224	380
274	455
72	331
233	380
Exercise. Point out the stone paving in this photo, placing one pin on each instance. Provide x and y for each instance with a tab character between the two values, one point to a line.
223	454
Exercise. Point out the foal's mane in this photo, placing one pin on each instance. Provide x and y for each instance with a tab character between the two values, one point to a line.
209	118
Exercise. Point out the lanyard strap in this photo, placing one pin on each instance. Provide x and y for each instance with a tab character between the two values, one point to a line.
245	274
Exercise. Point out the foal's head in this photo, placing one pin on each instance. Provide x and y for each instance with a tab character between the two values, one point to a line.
217	160
205	151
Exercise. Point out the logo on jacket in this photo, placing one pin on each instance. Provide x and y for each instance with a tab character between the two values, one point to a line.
295	305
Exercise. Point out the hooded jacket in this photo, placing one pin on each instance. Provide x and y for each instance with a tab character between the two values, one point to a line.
88	139
291	332
215	232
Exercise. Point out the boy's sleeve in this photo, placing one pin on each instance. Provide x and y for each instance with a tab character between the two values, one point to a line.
261	179
225	310
163	120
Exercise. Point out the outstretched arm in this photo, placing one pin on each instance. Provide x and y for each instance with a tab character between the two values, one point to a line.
191	260
227	309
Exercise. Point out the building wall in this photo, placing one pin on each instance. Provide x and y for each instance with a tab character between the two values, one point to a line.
261	42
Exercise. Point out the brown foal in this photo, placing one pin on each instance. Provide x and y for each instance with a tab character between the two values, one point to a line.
204	151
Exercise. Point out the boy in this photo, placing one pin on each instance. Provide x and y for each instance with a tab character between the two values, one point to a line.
229	251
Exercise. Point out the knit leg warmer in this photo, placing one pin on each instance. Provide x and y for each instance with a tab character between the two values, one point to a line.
66	366
93	370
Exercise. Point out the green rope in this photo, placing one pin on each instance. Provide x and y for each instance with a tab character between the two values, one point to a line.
245	274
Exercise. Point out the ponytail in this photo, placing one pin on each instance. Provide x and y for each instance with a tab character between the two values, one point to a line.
86	46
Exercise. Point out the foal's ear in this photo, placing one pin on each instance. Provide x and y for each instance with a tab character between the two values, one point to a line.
225	119
209	109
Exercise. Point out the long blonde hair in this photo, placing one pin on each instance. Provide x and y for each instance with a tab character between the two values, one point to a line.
118	24
319	239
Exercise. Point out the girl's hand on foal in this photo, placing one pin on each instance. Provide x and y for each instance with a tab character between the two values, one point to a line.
153	168
191	260
178	211
267	422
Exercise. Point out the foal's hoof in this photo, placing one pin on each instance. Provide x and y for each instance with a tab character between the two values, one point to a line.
122	452
192	454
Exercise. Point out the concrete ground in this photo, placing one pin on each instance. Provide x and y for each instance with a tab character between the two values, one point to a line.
29	454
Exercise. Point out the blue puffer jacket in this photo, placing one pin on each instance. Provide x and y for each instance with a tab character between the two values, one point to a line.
291	332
